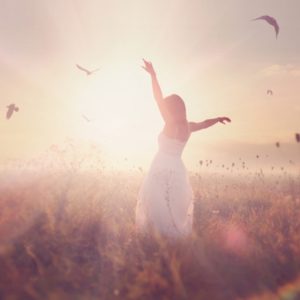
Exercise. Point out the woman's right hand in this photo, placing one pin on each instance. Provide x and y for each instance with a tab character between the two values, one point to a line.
148	67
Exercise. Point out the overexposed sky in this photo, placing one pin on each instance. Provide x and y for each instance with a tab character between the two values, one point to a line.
209	52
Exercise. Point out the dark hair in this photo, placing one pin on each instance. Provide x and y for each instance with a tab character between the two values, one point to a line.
176	108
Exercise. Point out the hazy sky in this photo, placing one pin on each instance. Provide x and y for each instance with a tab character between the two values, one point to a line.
209	52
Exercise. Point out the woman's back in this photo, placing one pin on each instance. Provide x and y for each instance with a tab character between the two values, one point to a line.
179	131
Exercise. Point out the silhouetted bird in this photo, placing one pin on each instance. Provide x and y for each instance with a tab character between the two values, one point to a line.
11	109
86	118
297	136
270	92
277	144
271	21
88	72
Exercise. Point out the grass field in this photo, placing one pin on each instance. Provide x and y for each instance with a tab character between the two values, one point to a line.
69	234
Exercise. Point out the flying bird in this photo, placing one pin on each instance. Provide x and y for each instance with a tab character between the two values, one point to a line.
86	118
88	72
277	144
10	110
272	21
270	92
297	136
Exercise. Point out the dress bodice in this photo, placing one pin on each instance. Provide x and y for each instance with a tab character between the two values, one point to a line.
170	146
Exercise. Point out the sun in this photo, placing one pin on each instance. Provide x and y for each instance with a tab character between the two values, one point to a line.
116	109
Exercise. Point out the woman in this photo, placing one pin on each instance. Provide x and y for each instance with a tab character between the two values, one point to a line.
165	202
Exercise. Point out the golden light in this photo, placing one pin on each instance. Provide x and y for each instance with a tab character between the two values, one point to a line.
121	112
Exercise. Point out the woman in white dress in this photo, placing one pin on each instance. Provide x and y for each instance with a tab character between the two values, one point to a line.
165	201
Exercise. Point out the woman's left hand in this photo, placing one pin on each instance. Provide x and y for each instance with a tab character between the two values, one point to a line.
223	120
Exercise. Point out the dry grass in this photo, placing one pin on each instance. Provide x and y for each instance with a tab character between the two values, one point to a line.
70	235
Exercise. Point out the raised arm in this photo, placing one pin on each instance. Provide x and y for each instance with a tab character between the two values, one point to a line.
207	123
157	93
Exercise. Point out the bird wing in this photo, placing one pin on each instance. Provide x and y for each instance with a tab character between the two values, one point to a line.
272	21
93	71
261	18
276	27
9	112
86	118
82	69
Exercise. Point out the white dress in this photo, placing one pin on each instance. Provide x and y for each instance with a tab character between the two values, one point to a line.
165	201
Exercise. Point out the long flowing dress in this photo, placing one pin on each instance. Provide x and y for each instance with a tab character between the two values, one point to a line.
165	200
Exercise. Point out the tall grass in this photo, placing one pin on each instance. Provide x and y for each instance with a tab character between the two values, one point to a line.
69	233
